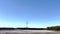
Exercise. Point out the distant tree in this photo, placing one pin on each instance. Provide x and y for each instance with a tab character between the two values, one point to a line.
53	28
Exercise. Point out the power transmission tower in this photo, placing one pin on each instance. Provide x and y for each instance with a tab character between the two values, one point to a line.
26	24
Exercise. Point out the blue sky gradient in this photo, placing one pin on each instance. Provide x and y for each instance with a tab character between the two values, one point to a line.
39	13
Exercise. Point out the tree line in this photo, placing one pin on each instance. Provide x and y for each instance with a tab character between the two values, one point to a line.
53	28
47	28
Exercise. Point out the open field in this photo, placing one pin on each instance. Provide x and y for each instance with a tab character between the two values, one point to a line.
28	32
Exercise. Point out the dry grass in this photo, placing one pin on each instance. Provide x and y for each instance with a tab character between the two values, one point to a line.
24	33
28	32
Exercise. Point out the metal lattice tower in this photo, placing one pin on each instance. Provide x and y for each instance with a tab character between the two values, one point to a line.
26	24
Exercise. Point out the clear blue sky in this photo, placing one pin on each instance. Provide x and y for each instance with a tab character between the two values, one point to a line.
39	13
